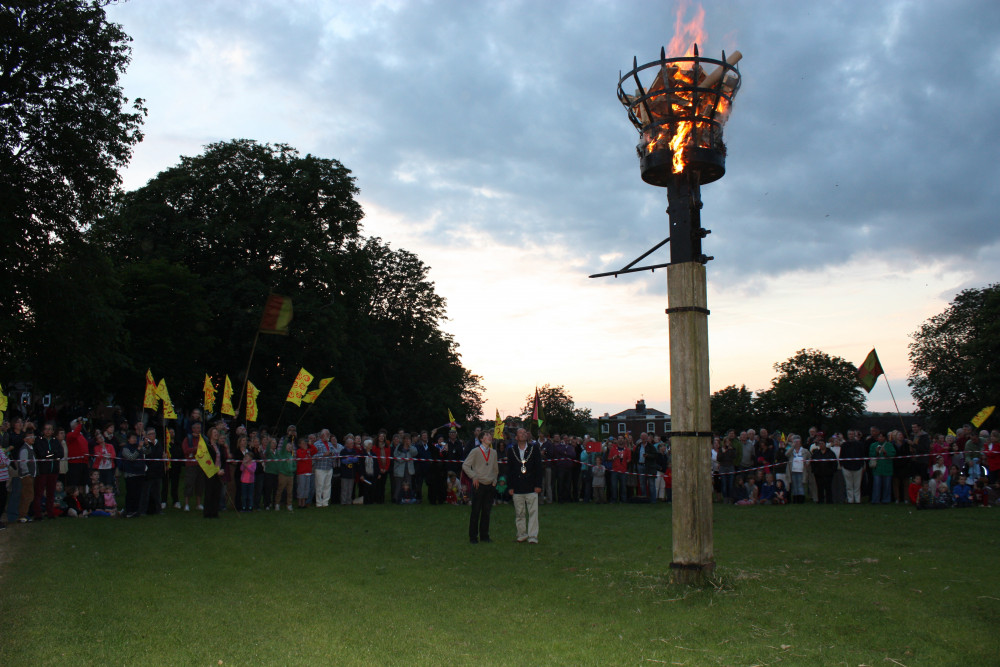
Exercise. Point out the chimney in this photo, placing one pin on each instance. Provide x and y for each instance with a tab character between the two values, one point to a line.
640	406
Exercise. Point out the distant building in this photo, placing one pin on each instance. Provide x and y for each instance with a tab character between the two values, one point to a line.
635	421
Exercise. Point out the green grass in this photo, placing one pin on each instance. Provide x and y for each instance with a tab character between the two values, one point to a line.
798	585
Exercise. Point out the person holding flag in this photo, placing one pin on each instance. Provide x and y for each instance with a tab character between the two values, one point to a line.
209	456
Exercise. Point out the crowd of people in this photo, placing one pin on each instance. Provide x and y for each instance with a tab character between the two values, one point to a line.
131	470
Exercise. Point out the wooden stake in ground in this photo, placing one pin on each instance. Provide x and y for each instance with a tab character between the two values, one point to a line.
690	414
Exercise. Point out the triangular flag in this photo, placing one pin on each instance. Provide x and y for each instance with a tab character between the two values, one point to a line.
205	459
498	428
983	415
168	407
277	315
951	432
299	387
209	389
150	401
451	419
227	399
536	412
869	371
252	393
314	394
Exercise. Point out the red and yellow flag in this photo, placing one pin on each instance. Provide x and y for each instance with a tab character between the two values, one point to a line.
210	390
150	400
314	394
168	440
869	371
252	393
299	387
227	399
277	315
163	395
498	428
204	459
451	419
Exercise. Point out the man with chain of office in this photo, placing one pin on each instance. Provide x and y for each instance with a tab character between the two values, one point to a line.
524	479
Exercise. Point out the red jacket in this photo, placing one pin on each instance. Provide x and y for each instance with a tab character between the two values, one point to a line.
77	447
620	458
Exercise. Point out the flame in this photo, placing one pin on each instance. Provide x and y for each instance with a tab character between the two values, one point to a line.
669	98
686	35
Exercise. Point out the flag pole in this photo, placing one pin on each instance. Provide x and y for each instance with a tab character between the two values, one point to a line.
898	413
246	376
303	415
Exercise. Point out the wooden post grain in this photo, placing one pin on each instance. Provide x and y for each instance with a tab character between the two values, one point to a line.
693	553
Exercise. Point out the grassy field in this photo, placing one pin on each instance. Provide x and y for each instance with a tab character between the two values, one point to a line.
798	585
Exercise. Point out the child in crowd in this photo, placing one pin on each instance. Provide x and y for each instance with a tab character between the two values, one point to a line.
942	495
110	502
453	494
962	493
95	501
501	490
406	495
980	493
60	500
936	478
939	467
598	482
766	493
74	508
925	497
741	495
248	470
914	489
780	492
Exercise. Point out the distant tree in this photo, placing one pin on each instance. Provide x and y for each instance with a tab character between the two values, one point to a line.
955	358
732	408
66	129
812	389
559	412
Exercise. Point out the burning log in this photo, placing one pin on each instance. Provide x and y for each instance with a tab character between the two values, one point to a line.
715	76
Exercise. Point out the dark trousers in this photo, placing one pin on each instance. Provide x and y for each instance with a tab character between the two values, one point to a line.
435	487
45	485
154	494
3	501
213	492
564	491
380	487
143	496
418	485
824	488
482	504
270	486
133	494
176	471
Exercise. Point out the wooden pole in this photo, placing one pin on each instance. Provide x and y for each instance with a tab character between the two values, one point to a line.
246	376
693	553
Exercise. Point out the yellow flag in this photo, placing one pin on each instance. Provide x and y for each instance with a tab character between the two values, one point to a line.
150	400
983	415
163	395
205	459
227	399
3	403
498	428
950	432
252	393
166	448
314	394
209	390
299	387
451	419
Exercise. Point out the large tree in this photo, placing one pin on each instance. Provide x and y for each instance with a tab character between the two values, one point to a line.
246	218
733	408
66	128
812	388
955	358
